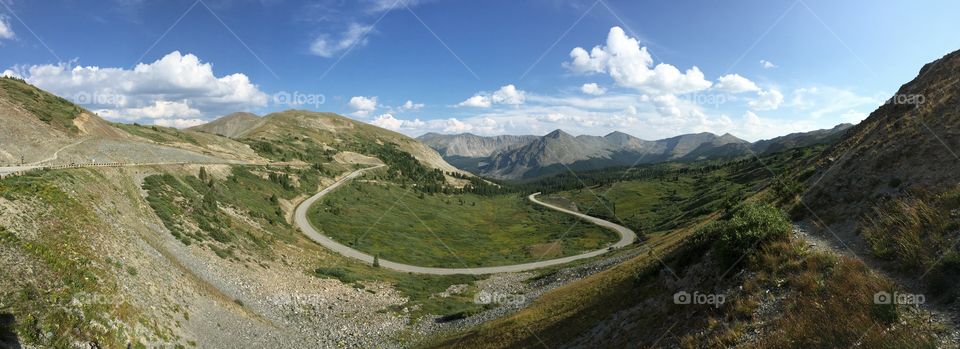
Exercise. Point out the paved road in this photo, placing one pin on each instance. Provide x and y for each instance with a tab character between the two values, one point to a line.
627	237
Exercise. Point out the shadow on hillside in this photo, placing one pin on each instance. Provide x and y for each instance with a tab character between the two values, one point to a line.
8	338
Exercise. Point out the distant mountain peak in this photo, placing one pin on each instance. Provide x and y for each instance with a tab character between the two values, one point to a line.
558	133
616	134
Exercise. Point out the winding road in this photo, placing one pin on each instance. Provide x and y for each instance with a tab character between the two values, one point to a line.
627	237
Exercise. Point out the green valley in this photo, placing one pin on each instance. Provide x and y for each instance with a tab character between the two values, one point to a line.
405	225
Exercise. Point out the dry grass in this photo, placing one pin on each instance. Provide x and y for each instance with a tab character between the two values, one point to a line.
562	314
546	250
918	234
824	301
831	304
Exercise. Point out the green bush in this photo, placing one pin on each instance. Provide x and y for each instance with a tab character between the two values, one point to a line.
748	227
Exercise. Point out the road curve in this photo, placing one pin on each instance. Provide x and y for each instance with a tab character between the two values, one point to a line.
627	237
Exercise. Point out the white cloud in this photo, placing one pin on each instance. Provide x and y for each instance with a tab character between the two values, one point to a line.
154	90
630	66
734	83
159	110
10	74
509	94
766	100
179	123
477	101
387	121
767	64
454	125
362	106
409	105
6	31
355	35
593	89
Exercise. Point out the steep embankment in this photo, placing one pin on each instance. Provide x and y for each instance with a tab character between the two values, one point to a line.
910	143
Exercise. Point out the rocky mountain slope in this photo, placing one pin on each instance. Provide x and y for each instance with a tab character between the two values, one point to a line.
910	143
469	145
235	125
802	139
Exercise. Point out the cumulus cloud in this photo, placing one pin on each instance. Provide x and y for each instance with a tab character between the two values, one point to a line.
508	94
593	89
734	83
6	30
10	74
179	123
355	35
159	110
632	66
767	64
477	101
416	127
362	106
150	90
363	103
766	100
409	105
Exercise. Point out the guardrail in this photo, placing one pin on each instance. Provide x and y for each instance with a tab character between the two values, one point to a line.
24	169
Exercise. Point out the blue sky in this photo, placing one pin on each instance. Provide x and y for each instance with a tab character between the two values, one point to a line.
650	68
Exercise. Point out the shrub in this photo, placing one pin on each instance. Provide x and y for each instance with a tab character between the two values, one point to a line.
748	227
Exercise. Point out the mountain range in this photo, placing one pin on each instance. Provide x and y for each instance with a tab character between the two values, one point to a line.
522	157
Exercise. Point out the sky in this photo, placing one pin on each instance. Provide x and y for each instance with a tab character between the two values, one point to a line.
654	69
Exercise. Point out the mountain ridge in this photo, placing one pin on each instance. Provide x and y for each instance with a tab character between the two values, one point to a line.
558	150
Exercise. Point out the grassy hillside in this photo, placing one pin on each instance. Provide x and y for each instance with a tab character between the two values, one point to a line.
242	211
632	303
308	136
51	109
444	230
56	284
